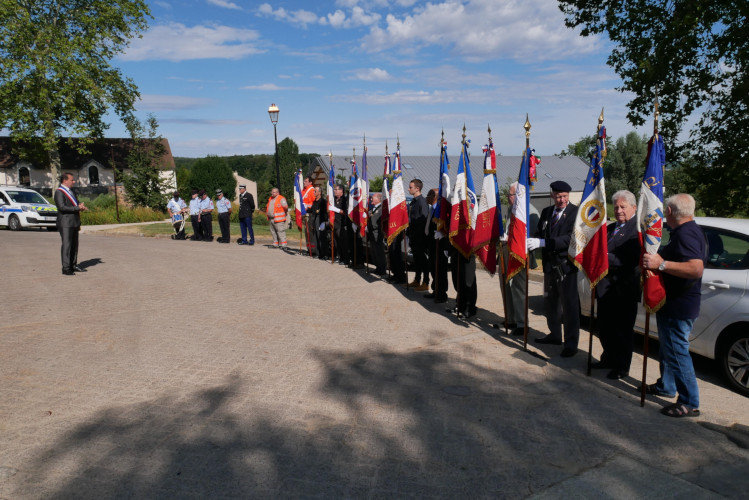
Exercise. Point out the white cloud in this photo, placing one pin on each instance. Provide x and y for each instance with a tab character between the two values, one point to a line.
273	87
480	30
224	4
300	17
370	75
177	42
171	102
317	77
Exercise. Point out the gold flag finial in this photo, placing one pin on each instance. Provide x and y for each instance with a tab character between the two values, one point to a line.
398	138
600	119
386	148
464	133
657	115
330	157
527	127
489	129
442	139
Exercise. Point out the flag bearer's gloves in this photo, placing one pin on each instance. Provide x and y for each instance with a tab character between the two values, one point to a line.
534	243
438	235
503	238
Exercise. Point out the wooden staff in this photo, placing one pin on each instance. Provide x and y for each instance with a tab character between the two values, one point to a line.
502	284
590	327
436	241
405	257
306	227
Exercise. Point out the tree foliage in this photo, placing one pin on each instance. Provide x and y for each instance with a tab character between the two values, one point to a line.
143	184
694	56
55	73
212	173
288	160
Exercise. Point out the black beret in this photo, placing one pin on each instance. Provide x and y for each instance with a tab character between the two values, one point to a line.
560	187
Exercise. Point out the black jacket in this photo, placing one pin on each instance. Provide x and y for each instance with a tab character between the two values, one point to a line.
246	205
556	238
68	215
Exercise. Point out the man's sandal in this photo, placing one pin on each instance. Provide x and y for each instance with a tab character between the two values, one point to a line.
678	410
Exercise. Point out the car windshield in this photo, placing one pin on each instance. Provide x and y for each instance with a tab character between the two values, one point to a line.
26	197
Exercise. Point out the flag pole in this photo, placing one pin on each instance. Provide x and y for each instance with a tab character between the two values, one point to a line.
332	228
353	161
501	257
365	239
405	235
527	127
593	288
646	336
386	229
436	280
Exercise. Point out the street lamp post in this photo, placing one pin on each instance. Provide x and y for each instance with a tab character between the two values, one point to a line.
273	113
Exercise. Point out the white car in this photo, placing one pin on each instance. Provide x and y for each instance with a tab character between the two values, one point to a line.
721	332
23	207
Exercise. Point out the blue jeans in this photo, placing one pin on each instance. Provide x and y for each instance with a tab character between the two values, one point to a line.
677	370
245	225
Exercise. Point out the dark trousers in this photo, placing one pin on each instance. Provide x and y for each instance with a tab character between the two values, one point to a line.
206	226
197	232
397	266
616	320
421	260
245	224
377	254
69	248
223	223
438	267
562	306
341	235
464	281
320	241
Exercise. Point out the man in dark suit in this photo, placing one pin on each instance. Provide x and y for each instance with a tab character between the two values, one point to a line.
561	302
375	235
246	211
341	225
619	291
68	223
437	244
416	232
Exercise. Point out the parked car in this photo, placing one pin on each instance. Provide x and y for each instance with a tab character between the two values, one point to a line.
721	332
23	207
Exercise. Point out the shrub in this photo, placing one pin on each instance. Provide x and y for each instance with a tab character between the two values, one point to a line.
109	216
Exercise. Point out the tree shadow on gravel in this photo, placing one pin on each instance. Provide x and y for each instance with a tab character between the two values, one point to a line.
379	424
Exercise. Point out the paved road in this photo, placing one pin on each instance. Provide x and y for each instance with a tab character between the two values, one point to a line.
190	370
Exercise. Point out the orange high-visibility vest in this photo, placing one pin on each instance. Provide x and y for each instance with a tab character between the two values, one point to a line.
279	214
308	197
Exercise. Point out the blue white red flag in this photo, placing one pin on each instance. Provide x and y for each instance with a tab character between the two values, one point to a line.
355	197
588	248
442	210
299	210
385	217
398	216
332	210
650	218
518	231
488	227
463	210
364	203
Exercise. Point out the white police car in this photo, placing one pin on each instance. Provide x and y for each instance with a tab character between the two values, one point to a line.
23	207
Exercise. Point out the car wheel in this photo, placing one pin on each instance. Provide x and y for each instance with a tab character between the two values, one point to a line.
13	223
733	356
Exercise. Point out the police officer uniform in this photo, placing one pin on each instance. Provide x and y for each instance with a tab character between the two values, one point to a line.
223	205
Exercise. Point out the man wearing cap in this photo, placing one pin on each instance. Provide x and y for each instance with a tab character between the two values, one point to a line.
223	205
308	198
197	232
561	303
176	208
246	209
206	215
276	211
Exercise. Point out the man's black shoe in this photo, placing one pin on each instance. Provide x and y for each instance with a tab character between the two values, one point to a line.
78	269
429	295
440	300
548	340
240	242
68	273
518	331
617	374
568	352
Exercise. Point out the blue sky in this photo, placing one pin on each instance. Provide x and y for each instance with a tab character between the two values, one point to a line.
209	69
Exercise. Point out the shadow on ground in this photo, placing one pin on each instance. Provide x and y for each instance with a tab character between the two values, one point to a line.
386	424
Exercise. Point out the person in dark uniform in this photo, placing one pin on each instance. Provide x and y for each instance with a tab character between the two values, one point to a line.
561	302
464	281
341	225
206	215
418	211
318	224
619	291
437	249
246	210
68	223
376	236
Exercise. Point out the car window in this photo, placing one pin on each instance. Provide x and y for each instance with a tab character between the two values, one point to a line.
4	198
726	250
26	197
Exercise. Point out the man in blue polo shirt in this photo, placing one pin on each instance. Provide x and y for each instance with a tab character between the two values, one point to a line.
681	263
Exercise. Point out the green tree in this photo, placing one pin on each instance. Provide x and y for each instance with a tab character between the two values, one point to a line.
625	163
143	184
212	173
375	185
584	148
694	57
183	182
288	160
55	71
